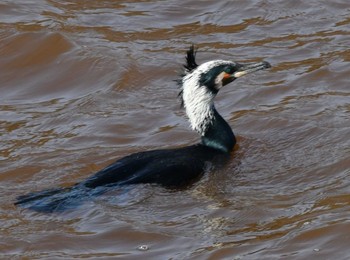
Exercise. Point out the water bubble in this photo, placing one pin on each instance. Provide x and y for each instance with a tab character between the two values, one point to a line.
143	247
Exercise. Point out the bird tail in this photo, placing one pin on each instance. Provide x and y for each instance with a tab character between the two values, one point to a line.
52	200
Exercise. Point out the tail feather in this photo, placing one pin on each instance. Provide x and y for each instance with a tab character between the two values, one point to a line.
53	200
38	195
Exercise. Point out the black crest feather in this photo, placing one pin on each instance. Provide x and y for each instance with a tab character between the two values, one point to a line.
189	67
191	60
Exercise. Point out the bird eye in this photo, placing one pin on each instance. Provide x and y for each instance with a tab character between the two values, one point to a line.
228	70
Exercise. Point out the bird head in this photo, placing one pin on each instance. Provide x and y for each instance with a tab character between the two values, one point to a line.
215	74
201	83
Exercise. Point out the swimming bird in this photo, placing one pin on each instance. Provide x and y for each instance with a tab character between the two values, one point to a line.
168	167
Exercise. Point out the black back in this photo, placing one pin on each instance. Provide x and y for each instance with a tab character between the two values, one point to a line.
167	167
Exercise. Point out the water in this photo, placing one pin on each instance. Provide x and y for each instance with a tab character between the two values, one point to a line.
86	82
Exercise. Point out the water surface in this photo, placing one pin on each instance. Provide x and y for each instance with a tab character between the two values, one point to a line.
86	82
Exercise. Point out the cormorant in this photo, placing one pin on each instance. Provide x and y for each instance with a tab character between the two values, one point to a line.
167	167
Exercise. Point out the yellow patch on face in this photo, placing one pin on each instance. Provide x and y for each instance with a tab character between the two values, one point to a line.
223	78
226	75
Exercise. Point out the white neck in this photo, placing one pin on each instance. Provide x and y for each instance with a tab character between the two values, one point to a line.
198	102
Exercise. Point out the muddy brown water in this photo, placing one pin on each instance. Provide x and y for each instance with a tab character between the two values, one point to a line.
86	82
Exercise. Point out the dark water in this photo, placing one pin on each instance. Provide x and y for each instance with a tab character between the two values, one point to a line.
85	82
